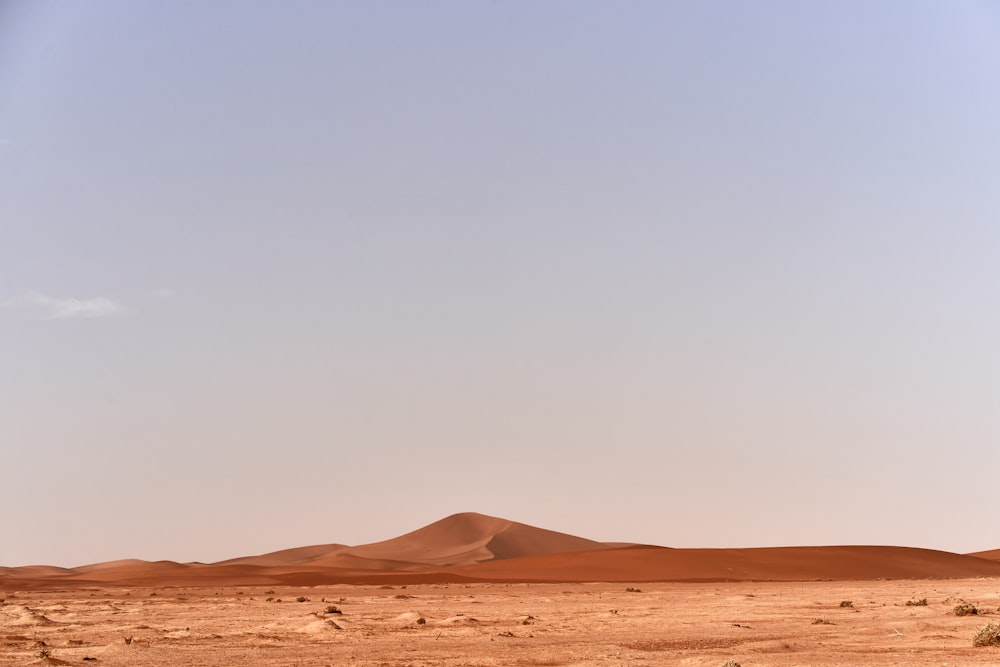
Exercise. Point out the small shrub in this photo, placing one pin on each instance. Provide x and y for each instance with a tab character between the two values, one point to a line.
731	663
846	603
922	602
333	609
632	590
128	640
966	609
822	621
988	635
45	653
421	620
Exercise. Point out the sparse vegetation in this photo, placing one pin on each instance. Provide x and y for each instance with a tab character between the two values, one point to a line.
632	590
966	609
846	603
922	602
988	635
822	621
731	663
45	653
421	621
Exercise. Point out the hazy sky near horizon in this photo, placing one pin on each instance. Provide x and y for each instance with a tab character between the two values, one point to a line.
686	273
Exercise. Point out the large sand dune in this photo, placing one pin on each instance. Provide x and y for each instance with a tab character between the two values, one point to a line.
467	538
477	548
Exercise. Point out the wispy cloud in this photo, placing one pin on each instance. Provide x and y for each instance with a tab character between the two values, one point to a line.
71	308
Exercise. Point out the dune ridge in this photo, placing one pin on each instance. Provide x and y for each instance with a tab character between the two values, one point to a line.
470	547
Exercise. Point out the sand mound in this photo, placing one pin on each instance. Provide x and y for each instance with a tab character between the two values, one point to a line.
131	565
473	547
772	564
297	556
472	538
320	627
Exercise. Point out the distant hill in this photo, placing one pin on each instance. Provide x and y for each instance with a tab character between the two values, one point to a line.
471	547
466	538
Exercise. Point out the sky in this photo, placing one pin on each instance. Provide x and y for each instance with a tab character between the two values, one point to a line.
697	274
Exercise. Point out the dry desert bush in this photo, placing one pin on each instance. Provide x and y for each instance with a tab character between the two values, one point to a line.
966	609
922	602
988	635
846	603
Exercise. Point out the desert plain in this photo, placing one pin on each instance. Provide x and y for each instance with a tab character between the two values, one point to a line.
476	590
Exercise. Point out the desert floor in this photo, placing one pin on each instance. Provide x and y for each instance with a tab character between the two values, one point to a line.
505	624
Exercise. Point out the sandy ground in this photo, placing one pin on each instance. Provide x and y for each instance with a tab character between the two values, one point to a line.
505	624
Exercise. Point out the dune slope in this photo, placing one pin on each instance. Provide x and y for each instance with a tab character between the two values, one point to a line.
472	538
475	547
770	564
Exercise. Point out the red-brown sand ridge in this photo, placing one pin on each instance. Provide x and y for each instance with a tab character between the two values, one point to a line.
477	548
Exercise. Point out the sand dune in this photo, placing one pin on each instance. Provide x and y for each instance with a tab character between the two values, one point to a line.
769	564
296	556
477	548
459	539
472	538
133	564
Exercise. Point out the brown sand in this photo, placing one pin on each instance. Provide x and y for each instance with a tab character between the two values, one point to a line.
757	624
470	548
457	592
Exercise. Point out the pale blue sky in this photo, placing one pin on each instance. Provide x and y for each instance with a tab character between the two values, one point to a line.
696	274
